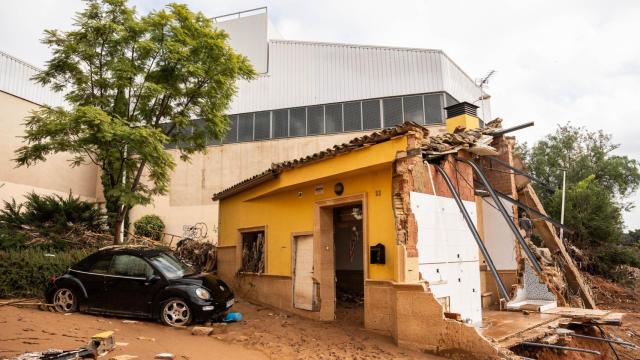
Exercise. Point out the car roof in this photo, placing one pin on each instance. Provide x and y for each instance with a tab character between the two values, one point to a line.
139	250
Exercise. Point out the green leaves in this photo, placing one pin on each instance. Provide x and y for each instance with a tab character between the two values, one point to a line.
598	182
134	85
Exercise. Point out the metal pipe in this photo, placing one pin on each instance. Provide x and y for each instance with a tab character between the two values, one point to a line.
534	211
508	130
465	214
564	187
520	172
503	211
568	348
604	339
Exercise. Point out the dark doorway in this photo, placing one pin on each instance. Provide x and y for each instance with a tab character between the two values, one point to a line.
348	254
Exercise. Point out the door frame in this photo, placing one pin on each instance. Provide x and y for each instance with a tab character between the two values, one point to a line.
323	242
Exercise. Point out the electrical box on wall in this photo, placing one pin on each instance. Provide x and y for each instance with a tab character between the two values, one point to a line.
376	254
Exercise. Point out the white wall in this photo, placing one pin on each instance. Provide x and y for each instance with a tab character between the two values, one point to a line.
248	36
498	238
448	254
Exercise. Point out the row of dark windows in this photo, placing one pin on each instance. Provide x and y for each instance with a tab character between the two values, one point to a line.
362	115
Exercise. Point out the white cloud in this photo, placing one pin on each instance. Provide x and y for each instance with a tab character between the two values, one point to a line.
557	61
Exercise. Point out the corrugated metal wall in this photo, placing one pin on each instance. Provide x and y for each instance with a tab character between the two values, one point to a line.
15	79
304	73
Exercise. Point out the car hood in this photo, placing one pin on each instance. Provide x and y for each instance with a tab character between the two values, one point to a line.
217	287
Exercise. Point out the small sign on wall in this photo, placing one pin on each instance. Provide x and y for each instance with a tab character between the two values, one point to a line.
318	189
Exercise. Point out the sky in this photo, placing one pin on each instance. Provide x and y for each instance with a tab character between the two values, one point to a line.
572	61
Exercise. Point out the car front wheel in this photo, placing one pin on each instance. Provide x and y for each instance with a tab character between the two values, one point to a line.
64	300
175	312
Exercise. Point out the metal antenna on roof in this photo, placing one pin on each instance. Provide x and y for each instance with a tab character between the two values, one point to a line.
482	84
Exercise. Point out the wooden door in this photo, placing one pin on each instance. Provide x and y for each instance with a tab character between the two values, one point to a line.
303	273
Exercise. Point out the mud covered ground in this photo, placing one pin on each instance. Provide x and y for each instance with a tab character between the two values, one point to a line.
264	334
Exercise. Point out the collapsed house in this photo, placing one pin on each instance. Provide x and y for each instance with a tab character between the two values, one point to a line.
426	230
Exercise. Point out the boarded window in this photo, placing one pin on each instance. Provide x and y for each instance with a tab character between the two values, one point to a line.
232	134
392	109
412	106
433	108
280	123
352	116
298	122
315	120
333	118
262	125
253	247
245	127
371	114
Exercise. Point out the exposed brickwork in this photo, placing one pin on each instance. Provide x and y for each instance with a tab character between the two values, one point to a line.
499	175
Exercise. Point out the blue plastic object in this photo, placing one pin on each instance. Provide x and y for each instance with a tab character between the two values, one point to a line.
233	317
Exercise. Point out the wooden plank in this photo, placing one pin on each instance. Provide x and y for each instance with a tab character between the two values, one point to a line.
578	312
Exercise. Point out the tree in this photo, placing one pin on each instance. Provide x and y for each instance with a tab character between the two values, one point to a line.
134	84
598	182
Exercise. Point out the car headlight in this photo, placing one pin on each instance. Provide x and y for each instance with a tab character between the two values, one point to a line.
203	294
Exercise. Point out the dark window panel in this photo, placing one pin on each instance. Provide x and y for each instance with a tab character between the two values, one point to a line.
232	134
315	120
413	111
333	118
280	123
392	110
165	127
245	127
371	114
353	116
450	100
298	122
200	125
262	123
433	108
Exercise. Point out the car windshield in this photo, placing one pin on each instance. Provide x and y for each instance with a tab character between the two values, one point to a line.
171	267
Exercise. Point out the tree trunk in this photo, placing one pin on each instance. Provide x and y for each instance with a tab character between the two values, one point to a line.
119	225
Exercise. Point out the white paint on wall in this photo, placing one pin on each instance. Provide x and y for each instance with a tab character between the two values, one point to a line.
498	238
448	254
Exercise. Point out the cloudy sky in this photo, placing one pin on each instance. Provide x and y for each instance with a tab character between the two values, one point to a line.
556	61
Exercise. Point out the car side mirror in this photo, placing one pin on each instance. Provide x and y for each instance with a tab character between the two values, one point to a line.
153	278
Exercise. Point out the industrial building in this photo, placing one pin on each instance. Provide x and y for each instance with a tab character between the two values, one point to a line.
307	97
342	177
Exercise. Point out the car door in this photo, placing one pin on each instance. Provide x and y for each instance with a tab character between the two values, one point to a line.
128	286
92	276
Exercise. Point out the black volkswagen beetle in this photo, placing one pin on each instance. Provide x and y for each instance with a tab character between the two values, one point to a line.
140	282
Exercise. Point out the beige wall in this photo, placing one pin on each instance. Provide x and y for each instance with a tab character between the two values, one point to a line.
194	183
52	176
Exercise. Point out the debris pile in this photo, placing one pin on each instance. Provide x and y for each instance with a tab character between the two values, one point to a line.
200	255
75	237
476	141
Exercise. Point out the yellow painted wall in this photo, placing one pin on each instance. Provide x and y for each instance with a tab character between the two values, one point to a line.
468	121
278	205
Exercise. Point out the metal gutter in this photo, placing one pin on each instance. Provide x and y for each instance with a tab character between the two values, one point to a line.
508	130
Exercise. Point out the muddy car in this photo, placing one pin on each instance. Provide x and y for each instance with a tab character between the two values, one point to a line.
140	282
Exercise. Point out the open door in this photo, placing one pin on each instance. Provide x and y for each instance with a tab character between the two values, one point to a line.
303	273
